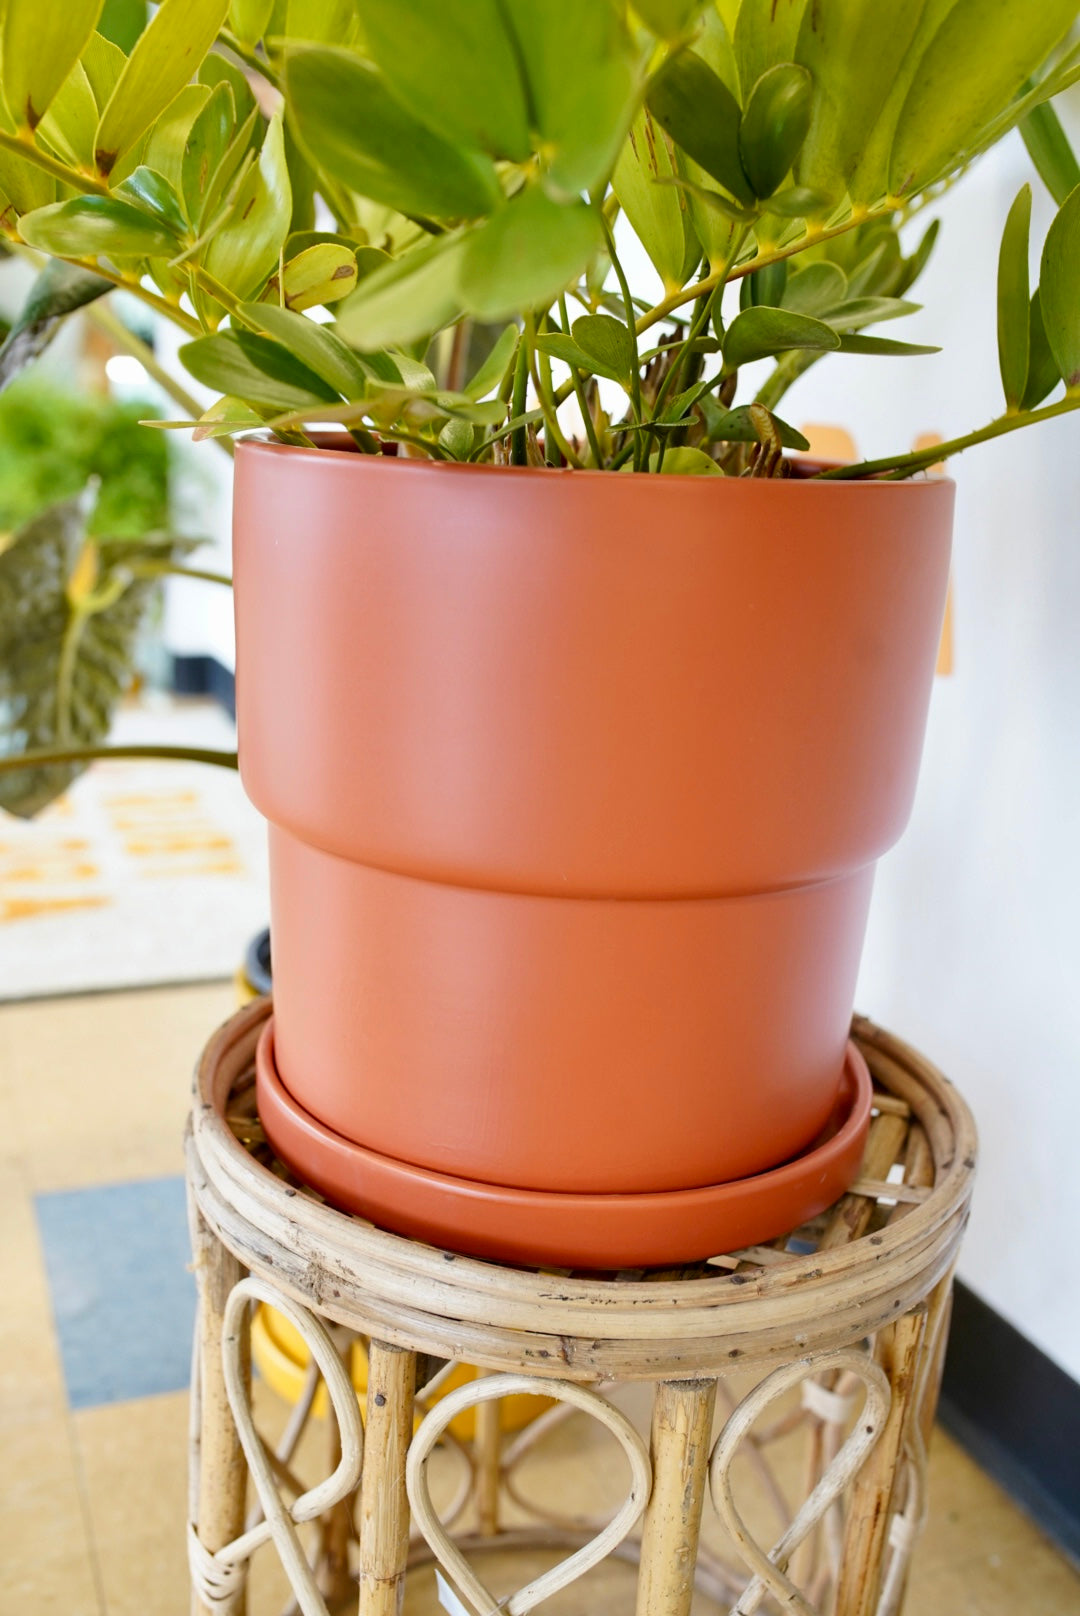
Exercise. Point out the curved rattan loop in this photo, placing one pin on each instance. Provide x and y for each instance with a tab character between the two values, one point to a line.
769	1567
567	1571
217	1573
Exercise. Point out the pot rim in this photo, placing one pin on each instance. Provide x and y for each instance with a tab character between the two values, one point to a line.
346	452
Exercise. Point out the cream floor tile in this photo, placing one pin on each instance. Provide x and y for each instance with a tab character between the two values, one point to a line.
46	1556
99	1086
134	1458
31	1380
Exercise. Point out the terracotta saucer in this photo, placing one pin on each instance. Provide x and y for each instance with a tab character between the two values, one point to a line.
540	1227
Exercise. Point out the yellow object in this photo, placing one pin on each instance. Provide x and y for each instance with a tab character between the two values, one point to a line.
244	990
281	1357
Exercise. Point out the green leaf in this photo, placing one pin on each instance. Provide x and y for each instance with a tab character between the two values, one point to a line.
351	126
204	148
326	22
798	202
1049	149
885	346
565	348
216	70
409	298
69	125
1059	288
151	191
1014	299
852	49
58	290
737	426
582	85
766	32
165	56
103	62
313	345
712	202
247	249
1043	373
459	74
685	462
765	286
495	366
321	274
978	60
774	125
914	266
457	438
224	180
165	147
758	332
525	255
856	312
41	45
668	19
249	19
658	214
815	289
607	341
702	116
65	660
255	369
89	226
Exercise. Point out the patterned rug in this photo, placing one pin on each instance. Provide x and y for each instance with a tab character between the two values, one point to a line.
143	873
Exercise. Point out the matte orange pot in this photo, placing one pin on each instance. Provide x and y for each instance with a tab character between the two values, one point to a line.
576	783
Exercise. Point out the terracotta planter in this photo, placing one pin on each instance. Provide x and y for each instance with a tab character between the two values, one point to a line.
576	783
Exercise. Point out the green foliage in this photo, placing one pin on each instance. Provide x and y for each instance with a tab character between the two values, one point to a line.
474	157
54	441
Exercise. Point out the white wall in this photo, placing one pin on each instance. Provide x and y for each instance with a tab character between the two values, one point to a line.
974	945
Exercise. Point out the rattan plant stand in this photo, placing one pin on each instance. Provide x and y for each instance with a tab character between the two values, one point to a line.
837	1330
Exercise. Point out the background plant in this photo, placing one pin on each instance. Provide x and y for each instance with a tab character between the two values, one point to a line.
403	216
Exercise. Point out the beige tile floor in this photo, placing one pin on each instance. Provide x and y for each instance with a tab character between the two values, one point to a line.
93	1503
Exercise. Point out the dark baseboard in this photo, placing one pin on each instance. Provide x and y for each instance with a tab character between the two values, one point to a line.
205	676
1017	1413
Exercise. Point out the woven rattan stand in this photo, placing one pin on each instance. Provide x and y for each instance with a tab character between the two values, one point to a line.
841	1327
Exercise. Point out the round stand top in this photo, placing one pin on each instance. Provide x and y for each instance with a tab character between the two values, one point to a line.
874	1255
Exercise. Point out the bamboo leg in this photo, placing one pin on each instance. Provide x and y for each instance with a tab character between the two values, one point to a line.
384	1505
681	1433
220	1478
871	1499
486	1444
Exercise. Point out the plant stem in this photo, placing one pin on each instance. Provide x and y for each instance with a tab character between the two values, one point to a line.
128	342
250	57
810	238
74	177
906	465
579	389
547	403
151	569
47	757
519	438
628	304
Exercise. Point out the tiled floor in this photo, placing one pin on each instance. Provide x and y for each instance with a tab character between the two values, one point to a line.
93	1406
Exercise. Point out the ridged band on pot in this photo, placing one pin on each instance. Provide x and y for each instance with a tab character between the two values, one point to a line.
577	783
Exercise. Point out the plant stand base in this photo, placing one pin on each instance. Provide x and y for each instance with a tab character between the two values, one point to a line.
833	1335
506	1224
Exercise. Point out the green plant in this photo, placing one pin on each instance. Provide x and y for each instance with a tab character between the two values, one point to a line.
84	515
443	185
474	156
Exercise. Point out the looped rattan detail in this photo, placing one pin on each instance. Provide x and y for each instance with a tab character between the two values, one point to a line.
841	1325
